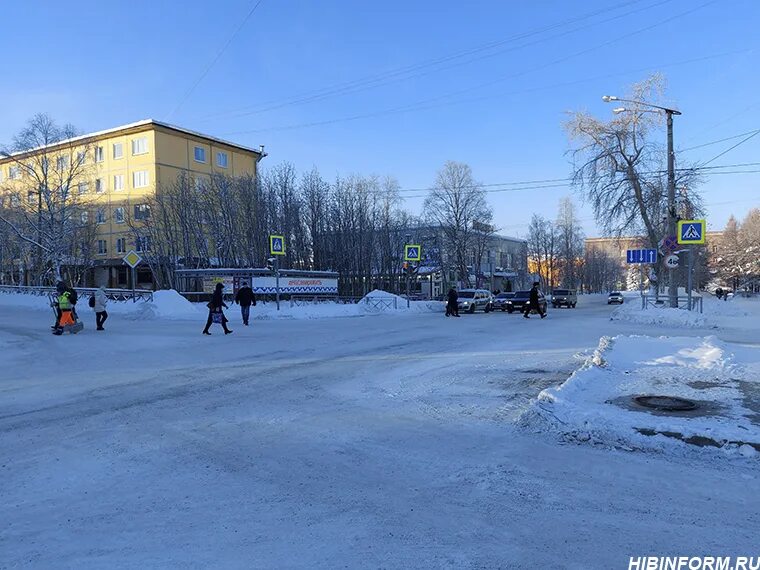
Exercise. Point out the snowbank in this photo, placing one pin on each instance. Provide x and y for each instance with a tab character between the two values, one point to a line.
595	405
738	312
167	304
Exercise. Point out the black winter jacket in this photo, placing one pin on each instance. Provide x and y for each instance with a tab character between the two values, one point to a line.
217	301
245	297
534	296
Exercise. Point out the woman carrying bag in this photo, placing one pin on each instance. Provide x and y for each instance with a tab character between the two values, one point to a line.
215	313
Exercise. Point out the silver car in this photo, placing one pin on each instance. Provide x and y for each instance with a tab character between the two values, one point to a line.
615	297
470	300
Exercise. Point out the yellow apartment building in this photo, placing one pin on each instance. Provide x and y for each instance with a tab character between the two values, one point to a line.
124	166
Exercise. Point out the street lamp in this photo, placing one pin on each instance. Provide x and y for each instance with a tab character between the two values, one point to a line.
673	288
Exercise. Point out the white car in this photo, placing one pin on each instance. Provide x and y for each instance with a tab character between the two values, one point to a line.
469	300
615	297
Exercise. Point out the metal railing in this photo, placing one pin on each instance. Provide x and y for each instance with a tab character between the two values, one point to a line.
305	300
652	301
111	294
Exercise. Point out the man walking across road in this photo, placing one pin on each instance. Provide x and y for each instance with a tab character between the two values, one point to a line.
245	298
452	305
533	303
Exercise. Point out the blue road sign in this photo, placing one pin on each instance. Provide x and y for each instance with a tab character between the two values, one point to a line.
276	245
641	256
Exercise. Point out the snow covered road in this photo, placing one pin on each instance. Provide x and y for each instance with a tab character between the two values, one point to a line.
379	442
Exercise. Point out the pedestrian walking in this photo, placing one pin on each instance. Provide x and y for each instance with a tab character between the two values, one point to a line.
452	304
98	302
215	312
533	303
245	298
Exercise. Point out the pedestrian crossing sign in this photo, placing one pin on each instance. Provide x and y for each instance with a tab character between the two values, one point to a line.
691	232
412	252
277	245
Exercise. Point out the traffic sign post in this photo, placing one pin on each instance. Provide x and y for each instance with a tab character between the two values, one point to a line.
133	260
276	248
672	261
412	252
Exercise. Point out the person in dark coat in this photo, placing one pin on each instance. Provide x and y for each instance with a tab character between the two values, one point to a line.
533	303
215	313
245	298
452	307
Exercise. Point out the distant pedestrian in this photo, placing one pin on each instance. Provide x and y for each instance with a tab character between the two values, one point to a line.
215	312
98	303
245	298
719	293
452	304
533	303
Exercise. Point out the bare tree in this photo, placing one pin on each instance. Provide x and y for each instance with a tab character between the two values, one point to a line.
569	243
48	184
620	167
542	249
456	203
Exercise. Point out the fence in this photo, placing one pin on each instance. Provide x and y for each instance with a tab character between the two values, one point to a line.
112	294
661	301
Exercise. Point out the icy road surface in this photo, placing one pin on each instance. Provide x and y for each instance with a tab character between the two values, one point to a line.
373	442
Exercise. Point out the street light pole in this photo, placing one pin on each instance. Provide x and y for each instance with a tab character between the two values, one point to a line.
671	219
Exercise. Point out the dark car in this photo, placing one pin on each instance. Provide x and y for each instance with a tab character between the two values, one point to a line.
500	301
522	298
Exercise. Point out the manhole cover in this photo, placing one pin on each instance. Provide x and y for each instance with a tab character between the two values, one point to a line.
666	403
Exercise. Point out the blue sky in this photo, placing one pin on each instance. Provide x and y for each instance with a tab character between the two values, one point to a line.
282	81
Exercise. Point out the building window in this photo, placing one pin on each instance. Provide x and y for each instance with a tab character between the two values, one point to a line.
139	146
200	154
62	162
140	179
121	245
102	247
142	244
14	173
221	159
118	215
31	197
118	182
98	154
100	216
81	157
83	188
99	186
142	212
118	150
85	216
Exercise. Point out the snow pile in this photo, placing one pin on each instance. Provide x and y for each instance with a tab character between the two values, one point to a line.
166	304
268	311
665	316
595	403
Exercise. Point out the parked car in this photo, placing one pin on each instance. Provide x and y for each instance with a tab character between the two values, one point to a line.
521	298
500	301
564	297
471	300
615	297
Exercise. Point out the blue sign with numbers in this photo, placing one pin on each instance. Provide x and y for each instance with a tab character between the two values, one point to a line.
641	256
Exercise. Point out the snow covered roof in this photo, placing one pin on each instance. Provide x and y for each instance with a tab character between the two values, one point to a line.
143	123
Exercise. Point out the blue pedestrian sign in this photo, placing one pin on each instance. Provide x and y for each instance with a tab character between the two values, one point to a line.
691	231
412	252
277	245
641	256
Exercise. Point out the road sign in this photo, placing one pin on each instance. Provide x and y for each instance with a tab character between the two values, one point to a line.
641	256
277	245
667	245
412	252
671	261
132	259
691	231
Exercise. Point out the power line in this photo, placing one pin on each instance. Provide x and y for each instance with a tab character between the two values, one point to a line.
733	147
213	61
719	141
441	99
420	69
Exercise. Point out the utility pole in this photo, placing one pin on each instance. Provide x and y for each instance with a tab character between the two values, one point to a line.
673	283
